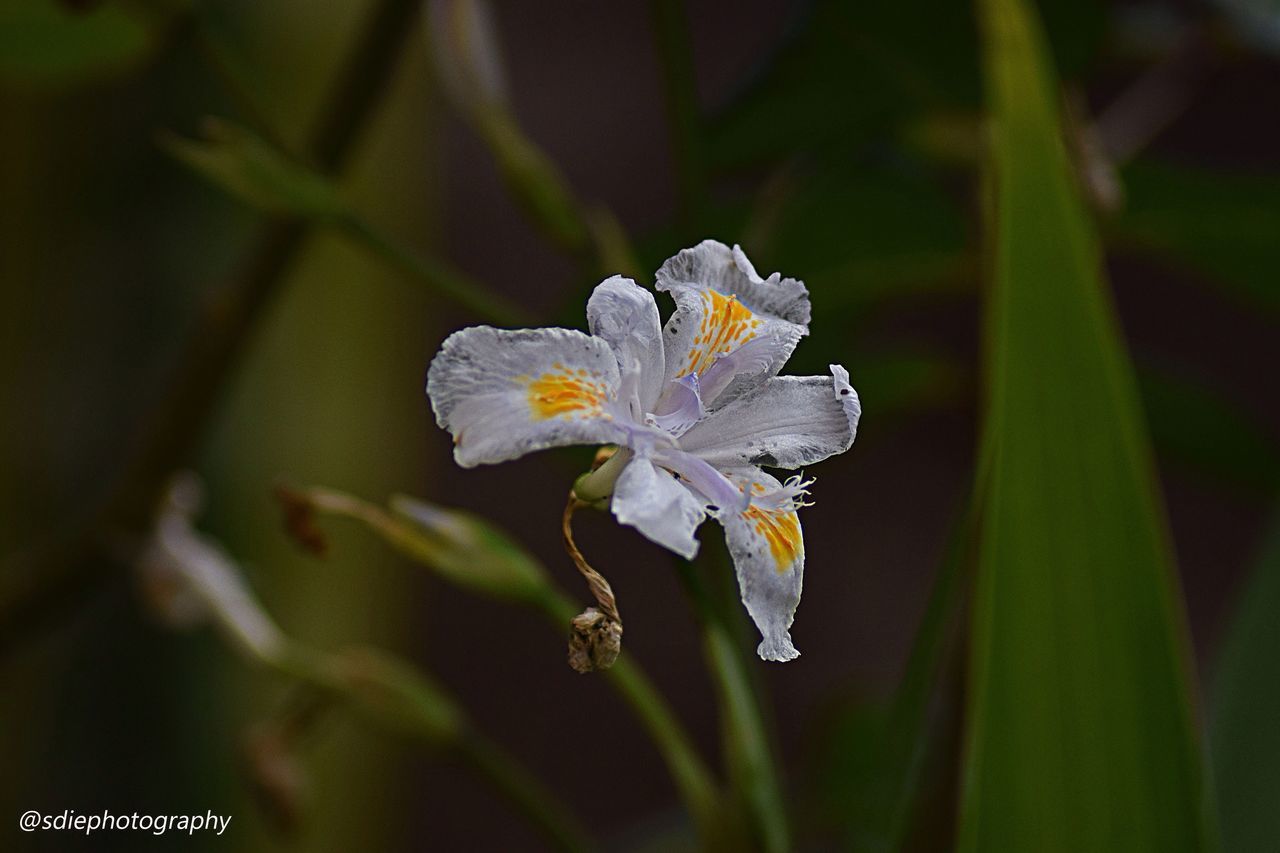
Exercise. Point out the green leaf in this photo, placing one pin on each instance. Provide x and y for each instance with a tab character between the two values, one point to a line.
1222	225
1245	734
42	44
1080	731
254	171
1194	425
469	551
864	232
462	548
876	758
849	71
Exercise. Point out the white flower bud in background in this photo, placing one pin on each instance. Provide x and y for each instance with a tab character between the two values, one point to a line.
464	50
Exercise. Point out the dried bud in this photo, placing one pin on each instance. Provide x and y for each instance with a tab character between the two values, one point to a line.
595	641
300	520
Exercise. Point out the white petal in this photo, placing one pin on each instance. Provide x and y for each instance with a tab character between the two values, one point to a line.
713	264
722	305
719	491
504	393
788	422
767	546
625	315
681	406
651	500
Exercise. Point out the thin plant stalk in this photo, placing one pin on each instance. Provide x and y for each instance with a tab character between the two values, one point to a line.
752	769
693	779
389	692
442	278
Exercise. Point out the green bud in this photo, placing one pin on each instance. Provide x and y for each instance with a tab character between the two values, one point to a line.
467	550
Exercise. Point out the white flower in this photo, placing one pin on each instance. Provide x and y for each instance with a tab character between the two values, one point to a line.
695	406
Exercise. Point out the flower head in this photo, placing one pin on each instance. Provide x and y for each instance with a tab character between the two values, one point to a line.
696	407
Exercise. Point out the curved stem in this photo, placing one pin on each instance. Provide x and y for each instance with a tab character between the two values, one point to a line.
596	582
697	786
595	638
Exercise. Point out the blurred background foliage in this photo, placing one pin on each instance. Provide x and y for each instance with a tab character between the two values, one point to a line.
257	296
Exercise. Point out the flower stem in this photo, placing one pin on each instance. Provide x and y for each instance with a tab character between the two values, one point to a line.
752	769
596	634
693	779
522	790
396	696
387	691
442	277
429	547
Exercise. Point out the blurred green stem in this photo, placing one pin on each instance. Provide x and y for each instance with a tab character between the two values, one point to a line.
679	77
40	588
455	545
752	769
522	790
692	778
181	561
229	70
589	232
407	703
440	276
467	57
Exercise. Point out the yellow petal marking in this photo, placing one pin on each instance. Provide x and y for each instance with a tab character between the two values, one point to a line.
726	324
782	531
565	394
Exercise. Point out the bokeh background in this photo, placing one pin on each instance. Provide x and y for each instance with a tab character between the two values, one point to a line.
838	143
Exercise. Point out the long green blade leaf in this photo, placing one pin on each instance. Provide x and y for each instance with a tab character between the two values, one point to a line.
1080	732
1246	711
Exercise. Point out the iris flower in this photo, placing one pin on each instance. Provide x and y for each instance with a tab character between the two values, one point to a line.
696	408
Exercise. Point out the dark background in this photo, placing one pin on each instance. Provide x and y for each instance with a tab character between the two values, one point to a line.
841	140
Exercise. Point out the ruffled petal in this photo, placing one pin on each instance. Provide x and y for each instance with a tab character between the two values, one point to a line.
788	422
625	316
504	393
651	500
722	307
767	546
